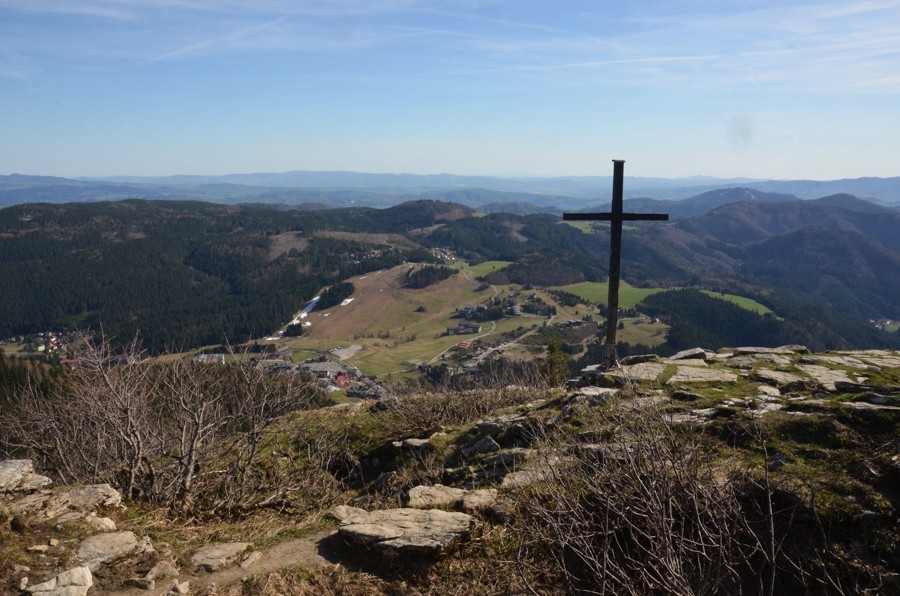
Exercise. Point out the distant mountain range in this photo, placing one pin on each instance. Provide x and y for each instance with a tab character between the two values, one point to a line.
694	195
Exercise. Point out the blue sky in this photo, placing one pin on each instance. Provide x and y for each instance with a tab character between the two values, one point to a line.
676	88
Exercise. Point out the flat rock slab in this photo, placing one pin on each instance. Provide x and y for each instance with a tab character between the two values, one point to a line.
694	353
776	377
826	377
883	361
73	582
596	392
693	374
17	475
792	349
101	549
864	405
427	497
215	556
478	500
774	359
83	500
523	478
741	362
847	361
407	531
412	444
644	371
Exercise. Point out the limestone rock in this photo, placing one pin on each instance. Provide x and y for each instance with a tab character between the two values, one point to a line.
598	393
101	524
789	349
412	444
693	374
484	445
783	380
342	512
645	371
426	497
215	556
408	531
17	475
523	478
108	548
826	377
694	353
250	559
478	500
495	426
67	504
162	570
507	459
179	589
73	582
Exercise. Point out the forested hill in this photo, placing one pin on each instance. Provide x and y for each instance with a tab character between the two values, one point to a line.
188	274
184	274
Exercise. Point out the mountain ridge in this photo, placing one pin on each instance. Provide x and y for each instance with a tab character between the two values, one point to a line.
567	192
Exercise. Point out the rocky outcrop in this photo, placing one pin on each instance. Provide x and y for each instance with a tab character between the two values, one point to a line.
692	354
405	531
109	548
73	582
66	504
427	497
17	476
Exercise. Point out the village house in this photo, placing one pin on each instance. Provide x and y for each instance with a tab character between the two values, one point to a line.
464	329
322	370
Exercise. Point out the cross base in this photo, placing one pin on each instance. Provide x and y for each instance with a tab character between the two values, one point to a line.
609	360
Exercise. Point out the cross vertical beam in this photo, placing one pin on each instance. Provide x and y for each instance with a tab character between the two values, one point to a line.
615	218
615	256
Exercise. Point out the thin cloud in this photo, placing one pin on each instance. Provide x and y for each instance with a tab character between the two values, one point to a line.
223	41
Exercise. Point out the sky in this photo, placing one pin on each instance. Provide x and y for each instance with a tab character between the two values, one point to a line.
759	89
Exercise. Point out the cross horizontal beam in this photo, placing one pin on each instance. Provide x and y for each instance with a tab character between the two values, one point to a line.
611	216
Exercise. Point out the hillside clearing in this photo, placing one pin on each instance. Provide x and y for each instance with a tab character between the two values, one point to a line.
630	296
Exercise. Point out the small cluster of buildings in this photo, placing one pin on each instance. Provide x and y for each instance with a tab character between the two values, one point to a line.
49	344
330	376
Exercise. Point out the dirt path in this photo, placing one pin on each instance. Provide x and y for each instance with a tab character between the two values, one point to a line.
304	552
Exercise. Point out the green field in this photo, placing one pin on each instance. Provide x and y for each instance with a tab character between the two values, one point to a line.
642	331
486	267
597	292
585	226
629	296
747	303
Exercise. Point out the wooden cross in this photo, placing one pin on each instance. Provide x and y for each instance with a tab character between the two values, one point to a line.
616	217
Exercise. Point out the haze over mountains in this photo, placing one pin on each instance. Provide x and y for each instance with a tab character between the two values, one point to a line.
525	195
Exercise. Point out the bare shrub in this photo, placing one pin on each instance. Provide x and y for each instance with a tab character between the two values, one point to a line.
635	505
416	413
103	425
174	432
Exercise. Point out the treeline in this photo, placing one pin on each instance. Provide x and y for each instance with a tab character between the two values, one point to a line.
425	276
180	274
